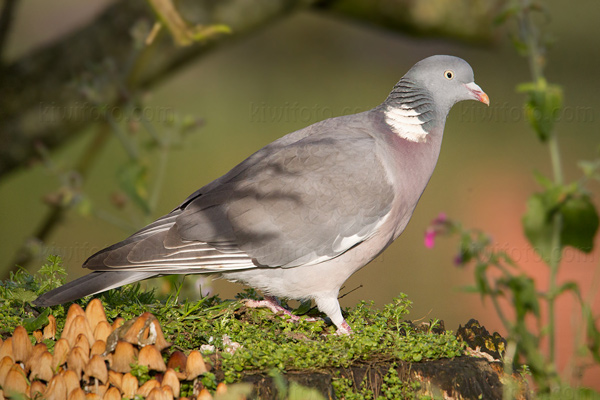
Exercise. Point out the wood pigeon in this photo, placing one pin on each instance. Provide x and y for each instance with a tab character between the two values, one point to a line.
302	214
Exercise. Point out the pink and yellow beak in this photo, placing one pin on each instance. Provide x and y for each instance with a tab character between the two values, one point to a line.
477	93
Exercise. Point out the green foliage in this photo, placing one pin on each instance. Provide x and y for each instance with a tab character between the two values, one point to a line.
22	288
133	180
248	339
577	213
542	107
392	388
560	215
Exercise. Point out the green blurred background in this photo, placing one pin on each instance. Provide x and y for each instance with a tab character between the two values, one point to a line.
309	67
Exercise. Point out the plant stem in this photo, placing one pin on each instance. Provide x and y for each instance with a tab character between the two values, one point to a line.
556	255
555	160
536	66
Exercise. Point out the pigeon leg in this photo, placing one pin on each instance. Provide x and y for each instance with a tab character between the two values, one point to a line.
273	304
328	304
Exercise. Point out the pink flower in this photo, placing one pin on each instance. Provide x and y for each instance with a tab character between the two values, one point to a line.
436	227
430	238
441	219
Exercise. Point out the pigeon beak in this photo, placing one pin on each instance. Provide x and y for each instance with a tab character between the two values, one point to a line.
477	93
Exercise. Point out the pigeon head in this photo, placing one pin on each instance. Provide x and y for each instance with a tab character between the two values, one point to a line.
449	80
421	100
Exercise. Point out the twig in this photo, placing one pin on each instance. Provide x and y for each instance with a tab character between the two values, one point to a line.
6	19
56	212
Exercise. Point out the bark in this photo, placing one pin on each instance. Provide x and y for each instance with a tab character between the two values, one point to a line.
460	378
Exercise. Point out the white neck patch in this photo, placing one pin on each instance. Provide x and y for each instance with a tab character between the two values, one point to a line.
405	122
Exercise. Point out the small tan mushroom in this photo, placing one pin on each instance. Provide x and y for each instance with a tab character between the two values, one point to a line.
15	381
147	387
118	322
98	348
61	352
167	393
35	354
123	357
149	356
36	389
97	388
155	394
170	379
153	333
42	367
177	362
92	396
38	335
94	313
77	326
7	349
112	394
102	330
50	329
77	394
77	360
96	368
71	381
74	311
83	342
131	331
129	386
115	379
195	365
221	388
204	395
6	364
21	344
56	389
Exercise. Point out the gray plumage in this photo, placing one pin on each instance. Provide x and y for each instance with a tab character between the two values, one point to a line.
299	216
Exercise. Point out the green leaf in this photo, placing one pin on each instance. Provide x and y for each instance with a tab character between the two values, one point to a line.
543	106
133	179
580	223
537	223
525	297
32	324
569	286
593	335
507	13
23	295
543	180
303	308
481	281
579	219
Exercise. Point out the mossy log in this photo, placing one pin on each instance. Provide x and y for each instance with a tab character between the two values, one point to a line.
460	378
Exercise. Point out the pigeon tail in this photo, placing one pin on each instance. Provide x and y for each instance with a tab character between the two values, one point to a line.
96	282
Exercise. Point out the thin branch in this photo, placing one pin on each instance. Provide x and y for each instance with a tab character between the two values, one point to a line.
42	92
6	19
56	212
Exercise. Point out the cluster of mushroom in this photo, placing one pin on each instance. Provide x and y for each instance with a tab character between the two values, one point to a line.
93	358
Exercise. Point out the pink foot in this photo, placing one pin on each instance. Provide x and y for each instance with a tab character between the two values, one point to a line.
343	329
273	304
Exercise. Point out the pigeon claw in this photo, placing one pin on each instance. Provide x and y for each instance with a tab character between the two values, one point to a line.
273	304
343	329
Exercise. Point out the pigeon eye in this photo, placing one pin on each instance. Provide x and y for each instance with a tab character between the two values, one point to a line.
449	74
